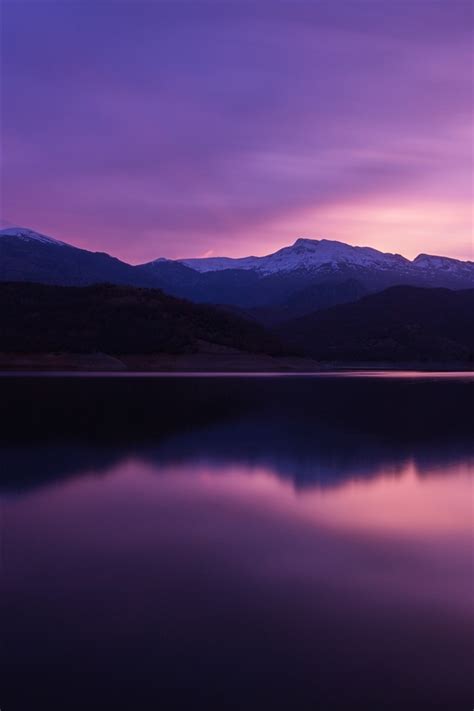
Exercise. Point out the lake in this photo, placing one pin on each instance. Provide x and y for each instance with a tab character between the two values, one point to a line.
300	542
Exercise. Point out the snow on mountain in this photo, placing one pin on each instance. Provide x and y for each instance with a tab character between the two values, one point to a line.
431	262
314	261
26	235
308	254
217	264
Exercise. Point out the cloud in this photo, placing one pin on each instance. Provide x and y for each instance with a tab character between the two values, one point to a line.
205	123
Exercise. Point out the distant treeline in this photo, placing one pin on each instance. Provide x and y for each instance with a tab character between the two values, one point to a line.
36	318
399	325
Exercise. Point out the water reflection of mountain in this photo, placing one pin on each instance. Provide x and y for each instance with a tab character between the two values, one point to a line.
324	456
312	431
25	469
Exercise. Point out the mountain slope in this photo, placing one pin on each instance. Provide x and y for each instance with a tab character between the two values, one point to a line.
307	275
328	256
304	254
296	280
36	318
399	324
29	256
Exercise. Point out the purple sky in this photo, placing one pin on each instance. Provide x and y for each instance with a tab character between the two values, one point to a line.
176	128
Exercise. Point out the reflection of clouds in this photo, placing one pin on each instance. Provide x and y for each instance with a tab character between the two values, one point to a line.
190	564
393	502
383	535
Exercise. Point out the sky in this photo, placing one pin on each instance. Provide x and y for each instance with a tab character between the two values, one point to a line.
185	128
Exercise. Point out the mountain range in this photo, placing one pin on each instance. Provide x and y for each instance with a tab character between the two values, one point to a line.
319	299
294	281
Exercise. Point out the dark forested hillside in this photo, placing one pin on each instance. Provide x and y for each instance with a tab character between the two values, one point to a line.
38	318
399	324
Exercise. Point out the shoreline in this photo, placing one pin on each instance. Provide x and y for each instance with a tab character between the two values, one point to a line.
235	363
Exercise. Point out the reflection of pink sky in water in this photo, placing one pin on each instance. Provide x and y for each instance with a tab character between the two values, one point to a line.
397	536
398	502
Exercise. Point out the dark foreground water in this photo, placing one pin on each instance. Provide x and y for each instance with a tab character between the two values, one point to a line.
237	543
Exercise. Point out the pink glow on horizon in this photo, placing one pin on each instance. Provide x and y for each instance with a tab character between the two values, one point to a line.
407	228
338	119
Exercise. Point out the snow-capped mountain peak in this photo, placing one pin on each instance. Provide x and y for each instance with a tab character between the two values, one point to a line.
306	274
433	262
27	235
307	254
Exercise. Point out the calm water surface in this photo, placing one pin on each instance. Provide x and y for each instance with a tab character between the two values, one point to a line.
237	543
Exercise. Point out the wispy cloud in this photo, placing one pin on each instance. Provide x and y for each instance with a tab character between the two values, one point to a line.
179	128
